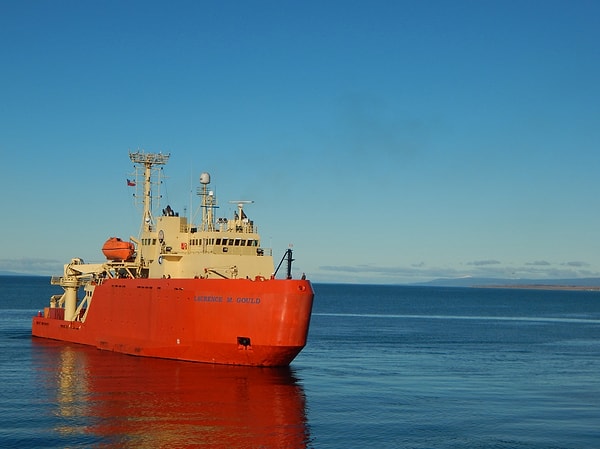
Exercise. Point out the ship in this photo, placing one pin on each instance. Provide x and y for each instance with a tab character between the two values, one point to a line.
205	292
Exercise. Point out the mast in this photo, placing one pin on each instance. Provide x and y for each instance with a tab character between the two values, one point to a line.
209	203
148	161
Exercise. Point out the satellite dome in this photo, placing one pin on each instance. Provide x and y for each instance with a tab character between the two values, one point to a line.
205	178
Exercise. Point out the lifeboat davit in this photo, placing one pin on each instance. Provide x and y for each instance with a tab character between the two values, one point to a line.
116	249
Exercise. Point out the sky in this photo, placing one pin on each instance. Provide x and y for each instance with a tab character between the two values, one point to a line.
389	142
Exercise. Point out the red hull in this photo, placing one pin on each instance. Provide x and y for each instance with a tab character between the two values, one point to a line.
224	321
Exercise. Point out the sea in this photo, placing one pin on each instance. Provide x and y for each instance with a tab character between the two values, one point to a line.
384	367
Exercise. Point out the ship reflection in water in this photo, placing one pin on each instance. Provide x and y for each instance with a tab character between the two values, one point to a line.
113	400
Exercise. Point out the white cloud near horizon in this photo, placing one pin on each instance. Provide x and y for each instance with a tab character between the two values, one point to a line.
484	269
35	266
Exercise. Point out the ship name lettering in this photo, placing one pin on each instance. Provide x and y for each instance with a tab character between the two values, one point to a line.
208	298
248	300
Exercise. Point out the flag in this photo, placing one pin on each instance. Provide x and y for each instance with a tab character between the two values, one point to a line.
130	183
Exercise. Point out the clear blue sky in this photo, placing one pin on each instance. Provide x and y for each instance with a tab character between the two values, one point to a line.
389	141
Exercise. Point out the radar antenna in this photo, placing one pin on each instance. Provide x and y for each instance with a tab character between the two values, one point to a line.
240	212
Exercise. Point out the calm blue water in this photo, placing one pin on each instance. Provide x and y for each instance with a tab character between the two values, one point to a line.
385	367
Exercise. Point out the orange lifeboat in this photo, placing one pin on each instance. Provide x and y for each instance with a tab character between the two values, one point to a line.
116	249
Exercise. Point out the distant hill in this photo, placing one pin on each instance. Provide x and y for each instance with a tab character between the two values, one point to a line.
497	282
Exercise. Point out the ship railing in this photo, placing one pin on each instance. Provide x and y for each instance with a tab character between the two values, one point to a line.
56	280
245	228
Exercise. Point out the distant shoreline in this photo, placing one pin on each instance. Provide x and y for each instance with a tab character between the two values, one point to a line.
542	287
